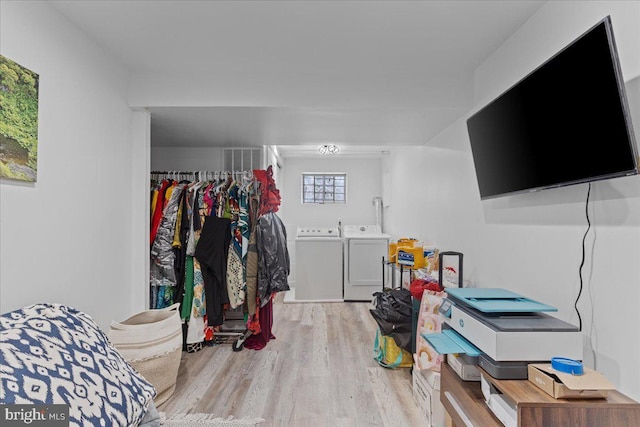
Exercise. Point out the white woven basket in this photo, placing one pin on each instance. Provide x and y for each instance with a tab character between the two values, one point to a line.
151	341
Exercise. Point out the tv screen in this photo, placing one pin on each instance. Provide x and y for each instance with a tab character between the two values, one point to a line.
567	122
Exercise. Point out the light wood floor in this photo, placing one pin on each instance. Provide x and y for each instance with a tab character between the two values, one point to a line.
319	371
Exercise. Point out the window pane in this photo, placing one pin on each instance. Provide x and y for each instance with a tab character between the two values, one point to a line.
323	188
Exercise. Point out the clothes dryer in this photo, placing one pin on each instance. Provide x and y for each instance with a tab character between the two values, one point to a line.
365	247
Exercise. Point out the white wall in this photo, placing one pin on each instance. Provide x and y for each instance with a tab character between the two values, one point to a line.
434	198
67	238
531	243
186	159
140	196
554	26
364	182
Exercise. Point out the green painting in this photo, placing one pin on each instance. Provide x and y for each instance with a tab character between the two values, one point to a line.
18	121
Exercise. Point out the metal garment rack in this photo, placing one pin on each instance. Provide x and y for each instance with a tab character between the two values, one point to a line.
200	175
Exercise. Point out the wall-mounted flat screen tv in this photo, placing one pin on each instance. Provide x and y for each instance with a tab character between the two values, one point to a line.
567	122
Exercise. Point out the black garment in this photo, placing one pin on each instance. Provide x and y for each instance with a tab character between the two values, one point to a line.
196	211
211	251
181	251
273	256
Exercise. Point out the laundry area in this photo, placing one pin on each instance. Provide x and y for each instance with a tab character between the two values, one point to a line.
336	264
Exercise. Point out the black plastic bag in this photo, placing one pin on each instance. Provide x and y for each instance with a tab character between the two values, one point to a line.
392	313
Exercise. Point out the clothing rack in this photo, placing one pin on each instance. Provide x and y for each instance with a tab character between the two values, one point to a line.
200	175
235	199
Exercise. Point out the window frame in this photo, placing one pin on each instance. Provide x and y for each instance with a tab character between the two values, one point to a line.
323	175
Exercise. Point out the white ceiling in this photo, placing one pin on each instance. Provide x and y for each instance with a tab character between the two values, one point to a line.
407	48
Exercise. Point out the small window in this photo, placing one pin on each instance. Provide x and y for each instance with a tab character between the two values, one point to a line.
324	187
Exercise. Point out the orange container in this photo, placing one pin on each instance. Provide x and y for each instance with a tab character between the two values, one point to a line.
407	242
393	251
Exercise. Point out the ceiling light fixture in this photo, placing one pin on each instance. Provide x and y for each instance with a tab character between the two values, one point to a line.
328	149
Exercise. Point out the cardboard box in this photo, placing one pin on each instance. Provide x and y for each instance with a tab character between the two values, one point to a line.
426	394
590	385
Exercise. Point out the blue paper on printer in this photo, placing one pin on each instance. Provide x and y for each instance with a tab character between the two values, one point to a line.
496	300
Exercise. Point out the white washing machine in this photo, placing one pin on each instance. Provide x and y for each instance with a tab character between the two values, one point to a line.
318	264
365	246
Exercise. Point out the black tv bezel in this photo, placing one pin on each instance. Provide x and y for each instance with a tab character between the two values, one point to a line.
617	71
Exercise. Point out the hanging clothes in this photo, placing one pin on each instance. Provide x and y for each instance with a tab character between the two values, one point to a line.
236	263
180	244
198	303
259	340
158	209
215	244
162	256
187	302
269	194
273	256
212	251
195	225
196	321
252	258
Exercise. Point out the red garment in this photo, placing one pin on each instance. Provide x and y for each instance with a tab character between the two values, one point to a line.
209	331
260	340
269	193
157	214
254	321
418	286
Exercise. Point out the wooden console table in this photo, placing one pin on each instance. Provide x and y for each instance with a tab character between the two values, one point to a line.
464	402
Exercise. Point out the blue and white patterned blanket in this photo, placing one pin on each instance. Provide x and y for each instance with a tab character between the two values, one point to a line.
54	354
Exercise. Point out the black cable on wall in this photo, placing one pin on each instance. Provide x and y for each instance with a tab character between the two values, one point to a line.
584	238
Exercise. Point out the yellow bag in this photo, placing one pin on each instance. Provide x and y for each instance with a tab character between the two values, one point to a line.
388	354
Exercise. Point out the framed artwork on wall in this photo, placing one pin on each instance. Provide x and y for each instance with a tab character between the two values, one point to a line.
18	121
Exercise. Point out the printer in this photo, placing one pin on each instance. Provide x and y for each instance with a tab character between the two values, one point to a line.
507	331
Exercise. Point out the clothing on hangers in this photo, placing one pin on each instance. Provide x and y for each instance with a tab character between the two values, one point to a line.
216	229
